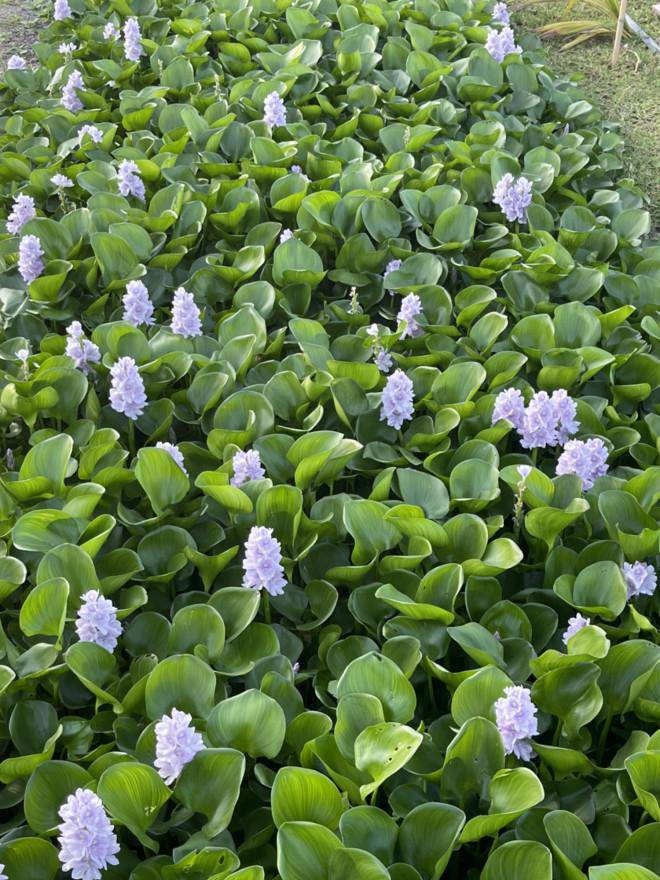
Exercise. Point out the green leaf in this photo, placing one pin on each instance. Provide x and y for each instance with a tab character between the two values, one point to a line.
251	722
299	794
211	784
133	794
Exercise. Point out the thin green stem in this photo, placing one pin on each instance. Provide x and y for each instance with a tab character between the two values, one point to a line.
265	606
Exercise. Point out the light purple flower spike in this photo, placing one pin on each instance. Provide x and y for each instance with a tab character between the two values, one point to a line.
22	211
129	180
274	110
3	876
186	317
501	43
88	843
501	13
640	578
262	565
513	195
286	235
111	31
411	308
177	743
397	400
30	262
383	360
95	134
67	48
175	453
61	181
127	394
247	466
97	621
70	99
392	266
565	412
61	10
575	624
524	470
586	458
515	715
133	50
16	63
81	350
509	405
138	308
548	420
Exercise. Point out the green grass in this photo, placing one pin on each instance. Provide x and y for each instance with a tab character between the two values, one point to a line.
629	94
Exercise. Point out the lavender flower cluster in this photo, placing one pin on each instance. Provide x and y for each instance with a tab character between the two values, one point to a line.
546	421
262	564
515	715
177	743
513	195
246	466
97	621
274	110
397	400
88	843
80	349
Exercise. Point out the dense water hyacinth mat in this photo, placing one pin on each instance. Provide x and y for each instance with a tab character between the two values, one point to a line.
330	488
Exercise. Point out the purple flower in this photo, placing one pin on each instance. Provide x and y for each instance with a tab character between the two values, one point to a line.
285	235
88	843
501	13
81	350
524	470
586	458
640	578
70	99
501	43
16	63
411	307
110	31
392	266
129	180
61	10
177	743
274	110
127	394
513	195
575	624
397	400
97	621
515	715
30	263
247	466
186	319
372	330
565	411
132	46
262	565
383	360
95	134
3	876
509	405
66	48
296	169
61	181
138	308
539	425
175	453
23	354
22	211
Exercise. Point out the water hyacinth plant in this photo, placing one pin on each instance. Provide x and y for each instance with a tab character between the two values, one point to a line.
329	472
